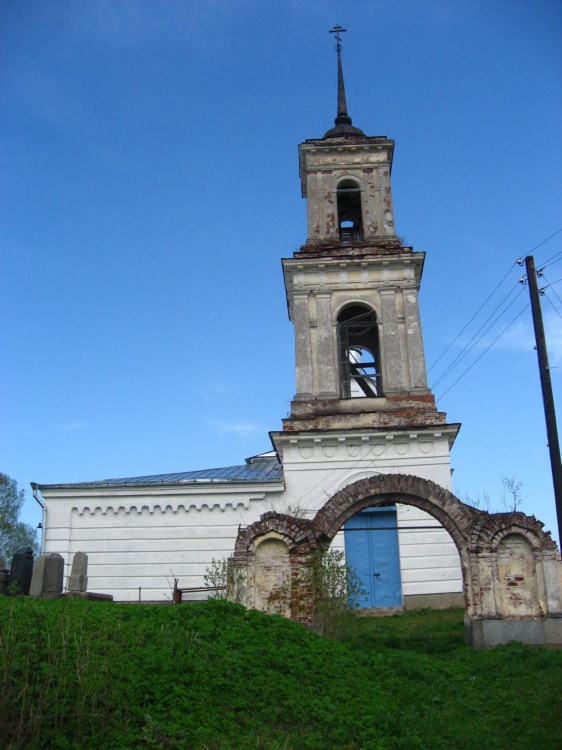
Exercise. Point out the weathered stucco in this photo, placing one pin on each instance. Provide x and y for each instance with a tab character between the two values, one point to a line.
317	292
365	160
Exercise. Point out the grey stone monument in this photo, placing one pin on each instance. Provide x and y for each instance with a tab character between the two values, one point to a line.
22	570
77	584
48	576
78	578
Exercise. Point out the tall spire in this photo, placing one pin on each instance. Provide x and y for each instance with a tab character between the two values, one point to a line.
343	120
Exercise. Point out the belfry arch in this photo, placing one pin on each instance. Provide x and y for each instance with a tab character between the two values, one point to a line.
350	211
511	568
359	353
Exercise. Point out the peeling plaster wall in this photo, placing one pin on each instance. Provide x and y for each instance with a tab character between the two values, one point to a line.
318	290
324	164
517	583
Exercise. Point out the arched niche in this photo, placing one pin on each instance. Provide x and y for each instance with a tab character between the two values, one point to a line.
271	574
266	555
517	583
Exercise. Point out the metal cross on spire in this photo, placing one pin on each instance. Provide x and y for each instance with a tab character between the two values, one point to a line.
336	30
343	120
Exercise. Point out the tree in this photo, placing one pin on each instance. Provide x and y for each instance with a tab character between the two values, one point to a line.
13	532
511	498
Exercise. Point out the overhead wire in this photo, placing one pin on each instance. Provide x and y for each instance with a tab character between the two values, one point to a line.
552	262
487	325
485	350
480	333
553	306
549	286
544	242
471	319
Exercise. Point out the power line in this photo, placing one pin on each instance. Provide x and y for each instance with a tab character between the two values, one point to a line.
470	321
544	242
552	261
553	283
553	291
552	305
485	350
549	261
472	343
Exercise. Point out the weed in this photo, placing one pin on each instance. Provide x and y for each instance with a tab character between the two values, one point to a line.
217	575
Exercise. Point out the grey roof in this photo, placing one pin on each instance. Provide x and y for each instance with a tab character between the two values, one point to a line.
254	471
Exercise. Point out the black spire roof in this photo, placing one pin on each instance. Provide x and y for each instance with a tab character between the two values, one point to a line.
343	125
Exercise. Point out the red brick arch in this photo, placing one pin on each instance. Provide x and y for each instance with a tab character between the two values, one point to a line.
455	516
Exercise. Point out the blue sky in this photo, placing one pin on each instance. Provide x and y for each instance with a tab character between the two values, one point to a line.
150	187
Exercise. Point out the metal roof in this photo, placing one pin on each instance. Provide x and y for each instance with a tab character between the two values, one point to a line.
255	471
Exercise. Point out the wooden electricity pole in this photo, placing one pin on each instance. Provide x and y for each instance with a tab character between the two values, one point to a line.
546	385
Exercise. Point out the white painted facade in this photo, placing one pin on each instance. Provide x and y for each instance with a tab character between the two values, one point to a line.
315	468
143	537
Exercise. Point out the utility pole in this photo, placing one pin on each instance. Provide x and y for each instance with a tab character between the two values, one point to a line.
546	385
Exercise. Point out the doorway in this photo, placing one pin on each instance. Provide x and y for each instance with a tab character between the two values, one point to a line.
371	549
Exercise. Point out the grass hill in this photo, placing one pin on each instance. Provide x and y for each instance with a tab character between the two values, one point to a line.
214	676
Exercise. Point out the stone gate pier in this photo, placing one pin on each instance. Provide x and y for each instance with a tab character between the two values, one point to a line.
512	569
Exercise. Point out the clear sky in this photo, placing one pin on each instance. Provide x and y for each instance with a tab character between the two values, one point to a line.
150	187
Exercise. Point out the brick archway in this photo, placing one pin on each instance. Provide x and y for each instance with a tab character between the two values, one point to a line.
490	554
455	516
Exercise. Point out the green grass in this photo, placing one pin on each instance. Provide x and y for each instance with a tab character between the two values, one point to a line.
214	676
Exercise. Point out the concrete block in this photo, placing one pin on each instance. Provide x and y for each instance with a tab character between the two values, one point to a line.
497	631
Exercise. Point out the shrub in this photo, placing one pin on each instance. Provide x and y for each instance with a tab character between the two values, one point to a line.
324	594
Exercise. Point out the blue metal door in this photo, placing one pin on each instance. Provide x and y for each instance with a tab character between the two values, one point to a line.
371	549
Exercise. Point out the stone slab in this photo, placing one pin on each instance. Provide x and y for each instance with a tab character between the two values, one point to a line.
77	583
491	632
21	571
48	576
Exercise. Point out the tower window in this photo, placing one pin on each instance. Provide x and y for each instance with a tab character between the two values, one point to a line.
349	212
358	341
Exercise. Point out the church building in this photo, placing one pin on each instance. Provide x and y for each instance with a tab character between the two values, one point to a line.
362	409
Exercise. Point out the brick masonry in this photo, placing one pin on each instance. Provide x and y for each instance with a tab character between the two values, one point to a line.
512	569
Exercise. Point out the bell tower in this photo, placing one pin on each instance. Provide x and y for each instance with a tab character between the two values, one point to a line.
362	410
352	290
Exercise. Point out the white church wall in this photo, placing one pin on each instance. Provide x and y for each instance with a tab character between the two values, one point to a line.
148	538
429	560
145	537
315	468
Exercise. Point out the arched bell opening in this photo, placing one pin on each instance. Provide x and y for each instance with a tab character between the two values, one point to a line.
359	360
350	216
